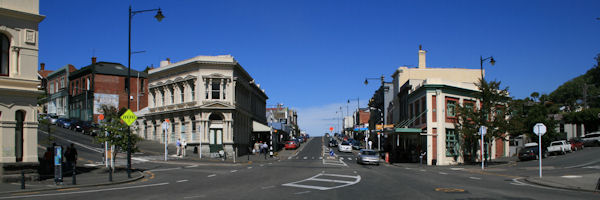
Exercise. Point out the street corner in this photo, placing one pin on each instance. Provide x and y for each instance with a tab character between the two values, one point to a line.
582	182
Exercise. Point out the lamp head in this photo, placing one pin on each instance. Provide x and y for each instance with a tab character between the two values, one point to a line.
492	61
366	82
159	16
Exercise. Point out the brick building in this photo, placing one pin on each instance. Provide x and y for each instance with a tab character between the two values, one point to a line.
57	91
104	83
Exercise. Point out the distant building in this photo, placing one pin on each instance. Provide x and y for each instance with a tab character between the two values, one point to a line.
210	100
103	83
19	80
43	78
58	91
285	121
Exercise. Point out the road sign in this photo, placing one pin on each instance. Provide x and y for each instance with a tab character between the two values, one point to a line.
539	129
330	128
128	117
101	117
483	130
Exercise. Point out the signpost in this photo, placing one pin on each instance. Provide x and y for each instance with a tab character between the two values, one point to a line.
165	127
539	129
482	132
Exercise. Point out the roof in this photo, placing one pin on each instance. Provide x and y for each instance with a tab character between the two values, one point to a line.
44	73
109	68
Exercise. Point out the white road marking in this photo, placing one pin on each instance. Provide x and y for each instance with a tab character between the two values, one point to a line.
268	187
407	168
90	165
571	176
99	150
139	159
181	181
584	164
443	173
302	192
198	196
212	175
457	169
262	165
270	163
289	158
475	178
344	183
349	158
341	158
305	157
249	167
85	191
516	180
232	171
191	166
167	169
423	170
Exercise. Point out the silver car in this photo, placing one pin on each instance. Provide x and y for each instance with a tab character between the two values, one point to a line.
367	157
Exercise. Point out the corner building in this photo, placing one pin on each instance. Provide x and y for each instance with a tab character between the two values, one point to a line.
207	100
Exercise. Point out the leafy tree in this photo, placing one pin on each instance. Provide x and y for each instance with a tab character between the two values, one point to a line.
588	117
493	115
117	130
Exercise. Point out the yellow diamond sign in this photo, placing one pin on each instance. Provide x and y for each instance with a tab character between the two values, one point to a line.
128	117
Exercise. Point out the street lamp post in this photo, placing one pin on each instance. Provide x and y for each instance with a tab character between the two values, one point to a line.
159	16
382	110
357	109
483	111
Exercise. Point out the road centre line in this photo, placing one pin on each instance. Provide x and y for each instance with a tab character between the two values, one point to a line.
86	191
191	166
212	175
249	167
167	169
475	178
181	181
233	171
443	173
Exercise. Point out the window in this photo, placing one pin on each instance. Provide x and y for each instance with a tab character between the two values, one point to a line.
224	88
162	94
192	88
172	90
215	88
62	82
182	93
19	118
4	55
141	86
450	108
51	91
207	89
87	82
451	143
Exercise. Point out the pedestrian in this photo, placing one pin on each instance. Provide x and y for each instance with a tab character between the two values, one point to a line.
257	148
184	147
71	156
370	144
265	147
178	145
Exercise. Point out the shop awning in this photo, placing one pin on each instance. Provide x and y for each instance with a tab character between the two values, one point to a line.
258	127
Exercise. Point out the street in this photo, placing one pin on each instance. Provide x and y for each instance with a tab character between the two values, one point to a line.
307	173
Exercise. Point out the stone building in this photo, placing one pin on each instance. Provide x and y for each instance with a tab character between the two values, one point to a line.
210	101
19	80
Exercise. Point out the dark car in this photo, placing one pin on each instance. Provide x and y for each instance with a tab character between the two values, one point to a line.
63	122
333	143
82	126
355	144
576	144
530	152
71	124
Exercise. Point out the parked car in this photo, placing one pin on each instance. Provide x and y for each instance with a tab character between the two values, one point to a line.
82	126
94	130
53	119
345	146
366	156
355	144
592	139
292	144
71	125
576	144
333	143
530	152
63	122
559	147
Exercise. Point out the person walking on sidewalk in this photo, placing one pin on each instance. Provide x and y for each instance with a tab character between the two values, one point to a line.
178	145
265	148
71	156
183	148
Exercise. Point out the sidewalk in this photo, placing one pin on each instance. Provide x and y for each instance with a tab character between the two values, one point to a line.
88	177
582	182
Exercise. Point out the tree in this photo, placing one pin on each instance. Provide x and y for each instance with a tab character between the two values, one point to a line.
493	115
588	117
117	130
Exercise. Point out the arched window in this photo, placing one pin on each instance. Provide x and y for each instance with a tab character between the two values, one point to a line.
4	55
19	118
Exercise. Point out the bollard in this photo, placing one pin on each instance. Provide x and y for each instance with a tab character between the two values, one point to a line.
74	175
110	174
22	179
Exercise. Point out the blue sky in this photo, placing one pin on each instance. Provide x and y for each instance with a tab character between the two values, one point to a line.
315	55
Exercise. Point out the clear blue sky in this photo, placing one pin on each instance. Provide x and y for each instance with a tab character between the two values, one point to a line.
314	55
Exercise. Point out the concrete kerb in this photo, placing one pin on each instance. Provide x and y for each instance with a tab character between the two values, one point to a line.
77	186
531	181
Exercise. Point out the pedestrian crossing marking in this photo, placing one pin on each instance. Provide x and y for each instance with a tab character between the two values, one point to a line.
319	177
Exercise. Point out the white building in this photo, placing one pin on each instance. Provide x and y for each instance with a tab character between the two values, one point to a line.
19	82
210	100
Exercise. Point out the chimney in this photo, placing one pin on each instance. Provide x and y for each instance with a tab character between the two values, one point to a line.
93	60
42	66
422	58
165	62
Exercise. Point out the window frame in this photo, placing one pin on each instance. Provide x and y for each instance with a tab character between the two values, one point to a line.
3	52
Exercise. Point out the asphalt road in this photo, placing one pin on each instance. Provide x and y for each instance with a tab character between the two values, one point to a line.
310	175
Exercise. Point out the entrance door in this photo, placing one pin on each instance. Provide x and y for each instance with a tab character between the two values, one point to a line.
216	140
19	117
